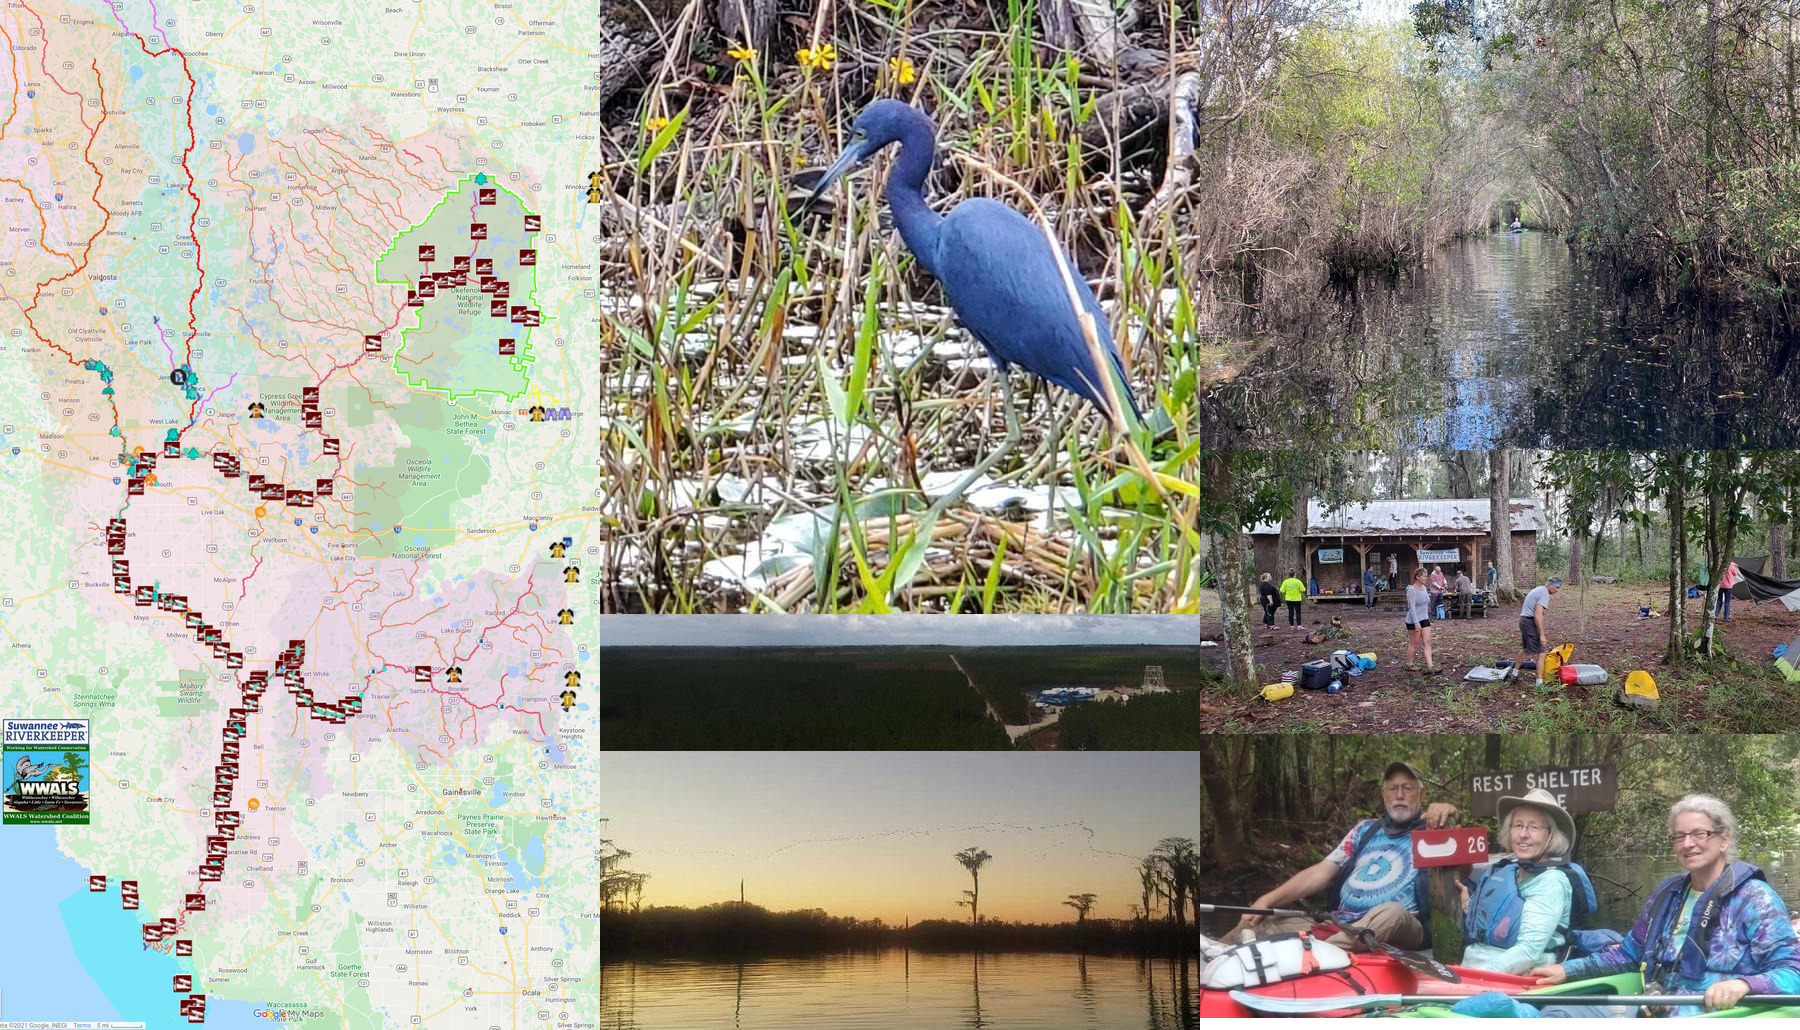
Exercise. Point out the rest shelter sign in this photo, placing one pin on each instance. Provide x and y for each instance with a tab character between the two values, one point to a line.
1581	788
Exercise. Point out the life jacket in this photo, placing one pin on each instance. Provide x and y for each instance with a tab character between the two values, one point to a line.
1664	907
1421	887
1496	904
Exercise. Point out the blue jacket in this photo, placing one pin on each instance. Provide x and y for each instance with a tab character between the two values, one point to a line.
1739	930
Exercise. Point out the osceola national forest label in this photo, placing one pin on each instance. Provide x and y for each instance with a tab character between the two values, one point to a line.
45	768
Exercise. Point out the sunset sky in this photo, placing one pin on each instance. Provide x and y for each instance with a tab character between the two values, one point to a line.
872	834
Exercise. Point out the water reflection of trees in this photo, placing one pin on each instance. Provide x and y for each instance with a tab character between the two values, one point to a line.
974	1020
1476	352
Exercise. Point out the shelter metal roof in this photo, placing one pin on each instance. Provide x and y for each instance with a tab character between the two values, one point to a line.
1466	516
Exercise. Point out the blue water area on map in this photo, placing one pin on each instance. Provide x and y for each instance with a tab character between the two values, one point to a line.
246	143
512	670
212	108
70	933
418	541
521	878
496	797
136	74
448	855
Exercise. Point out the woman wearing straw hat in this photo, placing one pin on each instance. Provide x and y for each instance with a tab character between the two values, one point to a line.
1517	914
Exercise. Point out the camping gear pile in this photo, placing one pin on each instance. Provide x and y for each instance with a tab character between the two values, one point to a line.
1331	674
1638	690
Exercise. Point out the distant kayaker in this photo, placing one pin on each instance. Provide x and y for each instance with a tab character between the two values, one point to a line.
1517	915
1516	226
1717	929
1370	872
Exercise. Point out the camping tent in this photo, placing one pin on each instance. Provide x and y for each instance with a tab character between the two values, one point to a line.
1759	588
1789	662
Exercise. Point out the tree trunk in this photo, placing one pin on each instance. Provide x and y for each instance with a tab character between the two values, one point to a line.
1235	591
631	38
1715	562
1087	27
745	21
1222	757
1678	570
1500	523
1777	550
1573	576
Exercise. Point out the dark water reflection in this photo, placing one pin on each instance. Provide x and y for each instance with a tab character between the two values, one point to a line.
1619	907
900	989
1508	341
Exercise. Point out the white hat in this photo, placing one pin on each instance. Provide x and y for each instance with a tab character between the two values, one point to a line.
1540	798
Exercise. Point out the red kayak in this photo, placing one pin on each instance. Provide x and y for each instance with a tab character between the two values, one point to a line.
1367	974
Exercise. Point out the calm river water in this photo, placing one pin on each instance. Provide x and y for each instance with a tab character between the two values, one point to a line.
902	990
1510	341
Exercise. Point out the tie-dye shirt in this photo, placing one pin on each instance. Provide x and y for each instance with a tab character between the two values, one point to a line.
1751	941
1381	872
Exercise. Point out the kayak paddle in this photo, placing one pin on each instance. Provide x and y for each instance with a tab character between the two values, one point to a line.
1414	961
1311	1006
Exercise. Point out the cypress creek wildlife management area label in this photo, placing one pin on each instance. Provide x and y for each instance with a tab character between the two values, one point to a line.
44	765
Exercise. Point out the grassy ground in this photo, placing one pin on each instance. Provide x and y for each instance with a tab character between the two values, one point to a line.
1737	692
848	699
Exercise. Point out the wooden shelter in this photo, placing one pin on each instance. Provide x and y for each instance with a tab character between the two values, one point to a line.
1395	537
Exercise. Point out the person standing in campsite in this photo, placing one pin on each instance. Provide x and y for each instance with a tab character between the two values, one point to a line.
1436	586
1270	598
1493	576
1369	875
1465	592
1716	929
1293	591
1722	607
1393	570
1369	586
1533	619
1418	622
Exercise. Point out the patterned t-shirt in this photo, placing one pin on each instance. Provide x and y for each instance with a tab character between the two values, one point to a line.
1381	872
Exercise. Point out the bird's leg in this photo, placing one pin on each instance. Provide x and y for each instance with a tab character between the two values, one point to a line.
1047	469
1043	460
961	486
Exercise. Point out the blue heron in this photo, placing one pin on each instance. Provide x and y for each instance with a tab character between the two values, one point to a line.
999	271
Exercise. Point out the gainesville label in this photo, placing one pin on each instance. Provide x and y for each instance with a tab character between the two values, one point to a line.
44	766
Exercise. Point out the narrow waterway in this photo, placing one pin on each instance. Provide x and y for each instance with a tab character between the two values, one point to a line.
1510	341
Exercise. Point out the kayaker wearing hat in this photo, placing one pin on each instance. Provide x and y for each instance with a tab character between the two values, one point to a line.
1517	914
1370	872
1717	929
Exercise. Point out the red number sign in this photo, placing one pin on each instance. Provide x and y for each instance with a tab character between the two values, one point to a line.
1460	845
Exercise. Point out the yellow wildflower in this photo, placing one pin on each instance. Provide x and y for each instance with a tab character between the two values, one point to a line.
656	124
741	53
822	58
901	70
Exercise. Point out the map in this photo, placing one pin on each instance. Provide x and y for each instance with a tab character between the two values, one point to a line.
297	647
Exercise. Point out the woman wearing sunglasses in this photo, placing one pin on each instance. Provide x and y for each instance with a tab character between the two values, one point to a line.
1718	929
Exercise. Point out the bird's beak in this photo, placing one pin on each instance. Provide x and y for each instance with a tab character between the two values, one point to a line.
852	156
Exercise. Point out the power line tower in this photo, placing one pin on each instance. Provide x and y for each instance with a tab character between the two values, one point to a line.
1153	680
